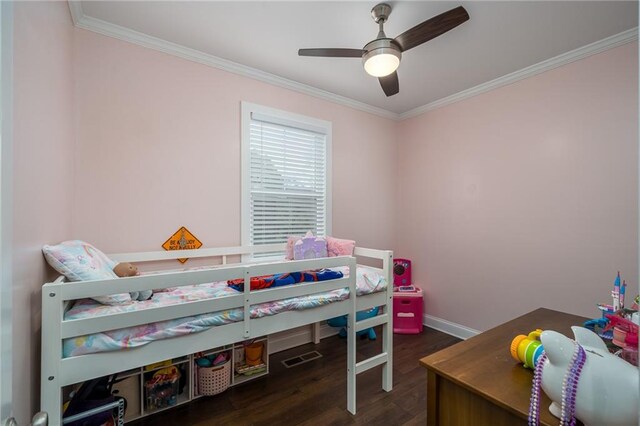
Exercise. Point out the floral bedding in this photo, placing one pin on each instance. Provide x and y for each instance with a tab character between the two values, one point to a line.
367	281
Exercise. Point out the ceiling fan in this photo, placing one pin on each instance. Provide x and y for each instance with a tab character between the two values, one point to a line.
381	57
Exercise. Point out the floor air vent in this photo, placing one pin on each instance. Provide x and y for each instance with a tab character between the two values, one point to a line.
301	359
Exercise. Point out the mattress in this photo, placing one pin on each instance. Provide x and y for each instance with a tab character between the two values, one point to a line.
368	281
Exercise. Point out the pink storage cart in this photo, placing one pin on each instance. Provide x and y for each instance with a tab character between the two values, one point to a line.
407	312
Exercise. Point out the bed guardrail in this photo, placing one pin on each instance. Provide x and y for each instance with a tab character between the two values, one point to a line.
56	296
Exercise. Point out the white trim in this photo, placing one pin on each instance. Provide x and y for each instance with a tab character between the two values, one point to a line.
6	215
77	14
329	180
264	113
116	31
549	64
298	336
245	122
451	328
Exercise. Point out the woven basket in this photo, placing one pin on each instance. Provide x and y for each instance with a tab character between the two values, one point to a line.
213	380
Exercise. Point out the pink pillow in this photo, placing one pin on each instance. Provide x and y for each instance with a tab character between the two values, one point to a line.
338	247
291	240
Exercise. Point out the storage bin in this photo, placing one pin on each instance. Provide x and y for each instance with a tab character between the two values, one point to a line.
253	354
161	389
213	380
161	392
407	312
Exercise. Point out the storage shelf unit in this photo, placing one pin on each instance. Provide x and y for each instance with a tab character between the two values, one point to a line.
237	357
132	387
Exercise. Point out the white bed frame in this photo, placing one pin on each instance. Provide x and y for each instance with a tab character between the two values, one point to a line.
58	372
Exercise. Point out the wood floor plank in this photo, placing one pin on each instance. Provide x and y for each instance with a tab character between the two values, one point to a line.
315	393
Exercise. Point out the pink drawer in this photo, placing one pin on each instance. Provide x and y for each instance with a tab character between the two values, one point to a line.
407	313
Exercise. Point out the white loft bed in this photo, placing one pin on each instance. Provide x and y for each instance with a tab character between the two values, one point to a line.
58	372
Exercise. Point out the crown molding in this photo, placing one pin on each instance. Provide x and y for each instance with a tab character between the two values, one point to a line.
99	26
116	31
546	65
75	7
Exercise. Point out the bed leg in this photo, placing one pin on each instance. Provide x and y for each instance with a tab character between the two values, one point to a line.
351	365
387	328
316	332
387	346
351	341
51	401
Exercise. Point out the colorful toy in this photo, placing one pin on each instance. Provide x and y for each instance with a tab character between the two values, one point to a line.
615	294
584	381
599	326
212	360
342	322
625	336
527	349
161	390
617	326
401	272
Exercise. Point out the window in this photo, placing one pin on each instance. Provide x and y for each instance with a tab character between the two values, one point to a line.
285	175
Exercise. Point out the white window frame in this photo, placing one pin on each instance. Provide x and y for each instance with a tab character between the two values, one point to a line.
286	118
6	195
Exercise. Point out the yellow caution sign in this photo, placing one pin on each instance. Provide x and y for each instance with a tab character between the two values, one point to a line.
182	239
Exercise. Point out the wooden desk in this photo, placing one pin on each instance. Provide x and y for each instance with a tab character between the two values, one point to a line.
476	382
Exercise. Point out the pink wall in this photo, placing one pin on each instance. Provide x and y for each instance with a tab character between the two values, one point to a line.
43	175
525	196
522	197
158	147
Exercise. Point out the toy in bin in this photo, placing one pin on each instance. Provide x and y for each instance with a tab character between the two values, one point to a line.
162	388
214	373
252	362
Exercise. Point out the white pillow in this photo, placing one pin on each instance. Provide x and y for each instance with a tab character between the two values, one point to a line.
80	261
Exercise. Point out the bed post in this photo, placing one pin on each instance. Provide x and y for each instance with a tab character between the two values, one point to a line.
351	340
246	314
387	327
50	392
315	332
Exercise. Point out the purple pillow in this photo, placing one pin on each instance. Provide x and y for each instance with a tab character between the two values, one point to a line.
309	247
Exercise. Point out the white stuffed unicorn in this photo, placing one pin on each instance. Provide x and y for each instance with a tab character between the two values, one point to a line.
607	388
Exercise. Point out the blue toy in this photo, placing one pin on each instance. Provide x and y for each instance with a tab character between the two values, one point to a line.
342	322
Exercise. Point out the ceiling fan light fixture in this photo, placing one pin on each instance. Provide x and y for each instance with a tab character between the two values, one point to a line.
381	57
382	61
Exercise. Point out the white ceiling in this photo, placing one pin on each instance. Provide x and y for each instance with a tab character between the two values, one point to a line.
500	38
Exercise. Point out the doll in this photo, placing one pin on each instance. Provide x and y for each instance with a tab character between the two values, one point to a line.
126	269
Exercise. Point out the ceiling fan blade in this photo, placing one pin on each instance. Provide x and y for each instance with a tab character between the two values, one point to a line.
334	53
432	28
390	84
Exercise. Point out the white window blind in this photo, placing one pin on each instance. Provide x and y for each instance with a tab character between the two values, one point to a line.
287	180
286	176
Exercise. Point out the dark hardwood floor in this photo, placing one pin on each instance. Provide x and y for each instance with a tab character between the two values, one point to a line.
315	393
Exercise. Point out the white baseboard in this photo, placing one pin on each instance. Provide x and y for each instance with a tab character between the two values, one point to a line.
456	330
298	336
